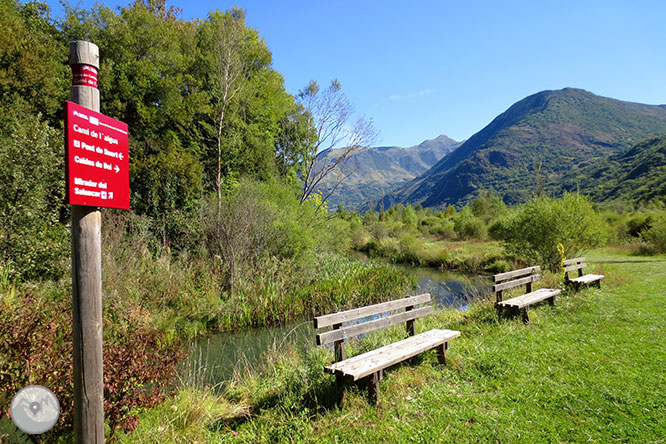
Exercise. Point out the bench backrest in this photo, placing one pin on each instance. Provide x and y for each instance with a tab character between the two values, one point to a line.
574	264
362	321
516	278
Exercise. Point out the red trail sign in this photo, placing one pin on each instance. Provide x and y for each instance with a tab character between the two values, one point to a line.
97	161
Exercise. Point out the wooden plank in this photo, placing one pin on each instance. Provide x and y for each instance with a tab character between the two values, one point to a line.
530	298
575	267
431	336
516	282
370	310
427	339
366	327
516	273
574	260
371	362
586	279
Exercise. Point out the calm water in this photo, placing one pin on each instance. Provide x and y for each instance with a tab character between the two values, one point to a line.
214	360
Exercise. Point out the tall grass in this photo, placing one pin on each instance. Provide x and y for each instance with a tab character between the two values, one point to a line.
586	370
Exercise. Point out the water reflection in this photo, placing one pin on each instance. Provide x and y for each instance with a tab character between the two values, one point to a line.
449	289
214	360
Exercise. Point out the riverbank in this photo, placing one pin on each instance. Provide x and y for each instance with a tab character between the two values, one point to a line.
589	369
467	256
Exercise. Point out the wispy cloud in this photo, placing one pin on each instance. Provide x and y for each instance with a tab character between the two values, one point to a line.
423	93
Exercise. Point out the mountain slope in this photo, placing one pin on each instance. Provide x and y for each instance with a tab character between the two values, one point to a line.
638	174
552	132
374	171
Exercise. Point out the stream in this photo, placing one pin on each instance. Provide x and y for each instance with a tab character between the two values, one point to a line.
213	360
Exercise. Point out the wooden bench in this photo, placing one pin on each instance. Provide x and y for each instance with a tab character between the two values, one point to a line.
520	304
369	367
578	264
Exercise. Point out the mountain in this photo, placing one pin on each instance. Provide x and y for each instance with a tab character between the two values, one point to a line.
638	174
537	140
374	171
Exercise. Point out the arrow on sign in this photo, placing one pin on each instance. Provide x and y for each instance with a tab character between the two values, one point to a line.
120	156
117	169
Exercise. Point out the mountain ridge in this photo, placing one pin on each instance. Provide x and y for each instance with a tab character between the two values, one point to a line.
541	137
371	172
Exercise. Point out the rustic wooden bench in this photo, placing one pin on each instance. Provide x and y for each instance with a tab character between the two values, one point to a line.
520	304
369	367
578	264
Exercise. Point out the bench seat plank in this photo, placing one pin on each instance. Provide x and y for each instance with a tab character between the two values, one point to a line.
530	298
586	279
373	361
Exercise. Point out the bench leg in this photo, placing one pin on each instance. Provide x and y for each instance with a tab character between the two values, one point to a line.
525	315
373	388
500	311
441	353
339	381
551	301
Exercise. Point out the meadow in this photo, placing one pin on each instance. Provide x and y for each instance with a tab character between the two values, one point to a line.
589	369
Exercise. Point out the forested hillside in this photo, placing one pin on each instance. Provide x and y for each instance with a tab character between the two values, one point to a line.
636	175
538	139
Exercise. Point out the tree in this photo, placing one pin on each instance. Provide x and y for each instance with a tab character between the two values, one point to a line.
227	38
331	114
534	231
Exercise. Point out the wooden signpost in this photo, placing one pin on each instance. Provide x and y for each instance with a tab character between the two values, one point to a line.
97	176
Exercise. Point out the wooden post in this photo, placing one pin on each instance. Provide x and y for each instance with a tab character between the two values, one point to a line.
441	353
373	388
410	324
339	346
87	279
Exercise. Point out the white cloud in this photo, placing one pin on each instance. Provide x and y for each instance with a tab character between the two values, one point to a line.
423	93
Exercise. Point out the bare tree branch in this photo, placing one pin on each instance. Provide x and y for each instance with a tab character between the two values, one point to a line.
331	113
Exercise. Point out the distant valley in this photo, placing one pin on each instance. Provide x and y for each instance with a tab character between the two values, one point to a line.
373	172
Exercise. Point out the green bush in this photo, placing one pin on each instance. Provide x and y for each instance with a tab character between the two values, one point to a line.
468	226
534	230
655	236
444	230
31	200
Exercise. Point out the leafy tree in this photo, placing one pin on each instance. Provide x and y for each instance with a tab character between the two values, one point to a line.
224	39
656	234
488	206
535	229
33	77
31	198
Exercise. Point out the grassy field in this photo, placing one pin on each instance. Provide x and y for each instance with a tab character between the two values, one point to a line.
591	369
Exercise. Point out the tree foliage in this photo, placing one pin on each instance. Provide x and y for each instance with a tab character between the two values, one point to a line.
534	230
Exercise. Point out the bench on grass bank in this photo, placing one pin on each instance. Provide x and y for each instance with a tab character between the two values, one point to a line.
578	264
369	367
520	304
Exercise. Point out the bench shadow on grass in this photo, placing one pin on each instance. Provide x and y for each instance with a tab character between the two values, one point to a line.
316	399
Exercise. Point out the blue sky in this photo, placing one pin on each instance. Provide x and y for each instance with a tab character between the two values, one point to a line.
424	68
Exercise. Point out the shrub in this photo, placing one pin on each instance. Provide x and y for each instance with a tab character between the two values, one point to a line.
444	230
36	348
468	226
655	236
534	230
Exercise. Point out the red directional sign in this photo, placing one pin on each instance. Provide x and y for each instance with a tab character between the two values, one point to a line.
97	168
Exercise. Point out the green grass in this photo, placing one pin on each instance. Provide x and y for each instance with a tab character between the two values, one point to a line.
591	369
